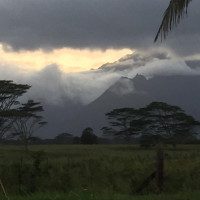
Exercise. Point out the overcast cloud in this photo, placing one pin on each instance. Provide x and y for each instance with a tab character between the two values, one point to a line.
50	24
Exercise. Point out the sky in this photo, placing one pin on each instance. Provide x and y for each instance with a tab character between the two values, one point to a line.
59	45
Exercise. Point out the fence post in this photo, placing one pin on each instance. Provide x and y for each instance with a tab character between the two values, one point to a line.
160	167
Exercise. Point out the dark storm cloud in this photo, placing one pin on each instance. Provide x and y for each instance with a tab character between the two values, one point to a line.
49	24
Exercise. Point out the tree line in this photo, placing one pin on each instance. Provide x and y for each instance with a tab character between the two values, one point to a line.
154	123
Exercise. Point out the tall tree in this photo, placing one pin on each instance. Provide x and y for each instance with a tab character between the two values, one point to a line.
176	10
9	94
165	120
88	137
120	119
155	121
27	121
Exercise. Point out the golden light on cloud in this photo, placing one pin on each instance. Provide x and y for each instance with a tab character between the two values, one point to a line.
69	60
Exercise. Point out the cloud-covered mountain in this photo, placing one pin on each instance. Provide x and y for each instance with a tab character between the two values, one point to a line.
135	60
181	90
176	90
151	63
70	99
53	86
74	101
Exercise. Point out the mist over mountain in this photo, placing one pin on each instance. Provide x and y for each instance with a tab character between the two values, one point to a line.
74	101
137	92
133	81
135	60
53	86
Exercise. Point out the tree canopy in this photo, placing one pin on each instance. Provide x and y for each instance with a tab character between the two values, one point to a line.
88	137
120	121
157	120
160	118
27	120
9	94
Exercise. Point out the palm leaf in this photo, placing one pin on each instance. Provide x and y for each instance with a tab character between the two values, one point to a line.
176	10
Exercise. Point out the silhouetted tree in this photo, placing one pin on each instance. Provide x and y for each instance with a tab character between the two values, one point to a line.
9	94
27	121
76	140
167	121
155	122
88	137
120	121
172	16
64	138
108	131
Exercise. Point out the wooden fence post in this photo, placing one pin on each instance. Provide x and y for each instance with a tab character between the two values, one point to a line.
158	174
160	167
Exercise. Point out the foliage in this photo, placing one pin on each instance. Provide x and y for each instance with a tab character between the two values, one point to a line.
27	121
9	94
168	121
153	123
76	140
96	168
88	137
120	121
64	138
87	195
172	16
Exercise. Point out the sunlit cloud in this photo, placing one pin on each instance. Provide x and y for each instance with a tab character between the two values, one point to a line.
68	59
54	86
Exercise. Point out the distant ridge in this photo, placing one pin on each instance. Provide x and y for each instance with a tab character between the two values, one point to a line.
183	91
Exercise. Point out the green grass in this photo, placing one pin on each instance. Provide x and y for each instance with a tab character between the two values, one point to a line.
85	195
100	169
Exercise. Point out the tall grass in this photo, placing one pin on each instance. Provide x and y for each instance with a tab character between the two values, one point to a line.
85	195
99	169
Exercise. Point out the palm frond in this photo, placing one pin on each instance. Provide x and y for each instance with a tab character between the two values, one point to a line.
176	10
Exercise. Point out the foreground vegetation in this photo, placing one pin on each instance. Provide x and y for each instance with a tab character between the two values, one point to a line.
84	195
105	171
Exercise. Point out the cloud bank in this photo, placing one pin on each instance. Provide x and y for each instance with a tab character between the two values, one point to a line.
52	24
56	87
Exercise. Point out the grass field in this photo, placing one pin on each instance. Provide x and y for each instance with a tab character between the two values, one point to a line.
195	195
97	172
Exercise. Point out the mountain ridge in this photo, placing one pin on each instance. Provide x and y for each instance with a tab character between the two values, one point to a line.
180	90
